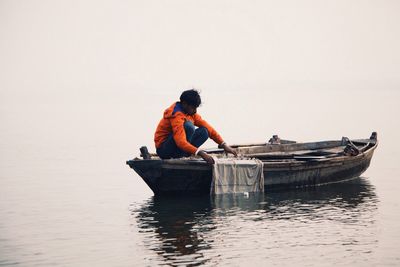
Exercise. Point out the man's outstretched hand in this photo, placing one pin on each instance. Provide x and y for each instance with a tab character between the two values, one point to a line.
210	160
228	149
206	157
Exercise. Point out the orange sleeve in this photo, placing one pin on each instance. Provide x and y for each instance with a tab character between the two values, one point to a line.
179	133
214	135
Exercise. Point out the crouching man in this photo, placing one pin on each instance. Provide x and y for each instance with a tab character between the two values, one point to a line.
177	136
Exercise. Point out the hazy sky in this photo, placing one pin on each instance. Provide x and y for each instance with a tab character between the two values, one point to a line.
161	45
135	57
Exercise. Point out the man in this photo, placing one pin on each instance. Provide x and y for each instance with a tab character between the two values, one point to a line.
176	135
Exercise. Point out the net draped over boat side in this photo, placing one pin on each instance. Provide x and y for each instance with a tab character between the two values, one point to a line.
232	175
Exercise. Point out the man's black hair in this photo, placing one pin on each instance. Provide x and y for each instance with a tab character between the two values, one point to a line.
191	97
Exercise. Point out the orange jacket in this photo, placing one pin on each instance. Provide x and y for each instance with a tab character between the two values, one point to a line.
172	122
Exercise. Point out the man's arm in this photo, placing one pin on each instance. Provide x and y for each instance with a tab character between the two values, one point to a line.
214	135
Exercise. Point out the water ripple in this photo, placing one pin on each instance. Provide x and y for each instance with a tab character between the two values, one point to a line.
268	227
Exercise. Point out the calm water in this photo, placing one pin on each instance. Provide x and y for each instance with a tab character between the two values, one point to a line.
68	199
276	228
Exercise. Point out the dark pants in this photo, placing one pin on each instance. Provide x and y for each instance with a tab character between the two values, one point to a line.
196	137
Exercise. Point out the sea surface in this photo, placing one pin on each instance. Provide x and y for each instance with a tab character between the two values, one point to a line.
67	198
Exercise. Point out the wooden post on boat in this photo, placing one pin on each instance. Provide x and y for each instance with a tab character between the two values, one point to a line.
275	140
144	153
374	136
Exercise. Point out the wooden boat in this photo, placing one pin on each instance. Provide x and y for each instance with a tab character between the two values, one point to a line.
286	164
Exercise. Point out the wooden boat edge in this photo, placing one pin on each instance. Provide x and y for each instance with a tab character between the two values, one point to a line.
157	165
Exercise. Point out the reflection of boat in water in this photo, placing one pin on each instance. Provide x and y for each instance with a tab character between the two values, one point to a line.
286	165
181	229
347	195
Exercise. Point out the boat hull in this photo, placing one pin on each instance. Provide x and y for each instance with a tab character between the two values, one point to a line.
193	177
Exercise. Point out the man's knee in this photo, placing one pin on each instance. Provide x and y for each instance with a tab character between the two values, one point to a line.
204	132
189	127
